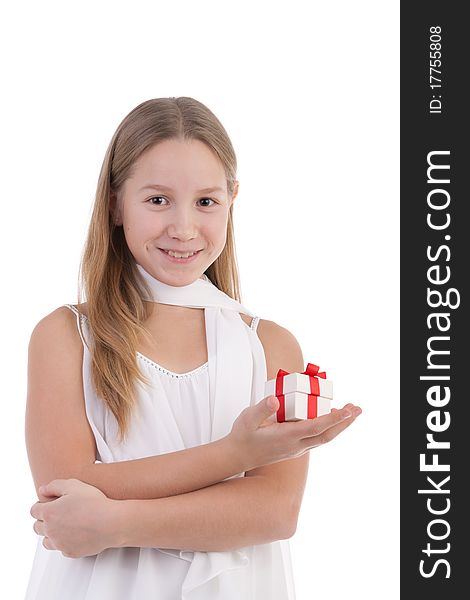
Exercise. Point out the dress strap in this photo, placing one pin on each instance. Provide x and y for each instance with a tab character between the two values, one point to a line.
80	316
254	323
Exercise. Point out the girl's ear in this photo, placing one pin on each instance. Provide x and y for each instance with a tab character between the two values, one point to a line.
235	190
114	208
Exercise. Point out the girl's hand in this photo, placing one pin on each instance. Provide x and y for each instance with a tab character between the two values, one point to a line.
263	440
76	518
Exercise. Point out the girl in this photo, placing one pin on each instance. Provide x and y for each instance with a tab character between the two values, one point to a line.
167	474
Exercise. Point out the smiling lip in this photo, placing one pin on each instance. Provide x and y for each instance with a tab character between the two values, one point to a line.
179	251
180	260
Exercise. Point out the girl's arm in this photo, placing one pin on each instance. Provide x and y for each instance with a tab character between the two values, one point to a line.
226	516
61	444
259	508
154	476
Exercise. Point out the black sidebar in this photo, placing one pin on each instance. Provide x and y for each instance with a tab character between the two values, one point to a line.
434	262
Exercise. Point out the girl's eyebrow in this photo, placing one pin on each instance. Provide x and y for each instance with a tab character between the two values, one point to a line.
155	186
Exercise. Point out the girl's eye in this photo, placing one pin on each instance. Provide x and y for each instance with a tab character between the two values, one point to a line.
210	200
155	204
153	198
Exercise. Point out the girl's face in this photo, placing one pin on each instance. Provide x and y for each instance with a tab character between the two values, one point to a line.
176	199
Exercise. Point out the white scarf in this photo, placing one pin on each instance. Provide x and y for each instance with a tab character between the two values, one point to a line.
237	365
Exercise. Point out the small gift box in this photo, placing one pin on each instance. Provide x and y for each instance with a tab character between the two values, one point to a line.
304	395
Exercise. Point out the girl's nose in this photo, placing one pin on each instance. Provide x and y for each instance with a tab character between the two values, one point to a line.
182	224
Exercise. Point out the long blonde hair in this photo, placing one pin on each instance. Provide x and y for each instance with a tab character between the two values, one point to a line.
108	276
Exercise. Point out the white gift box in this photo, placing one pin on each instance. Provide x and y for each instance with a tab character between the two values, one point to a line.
299	382
302	395
296	406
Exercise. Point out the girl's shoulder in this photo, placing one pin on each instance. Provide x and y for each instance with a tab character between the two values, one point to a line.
56	332
60	317
81	308
281	348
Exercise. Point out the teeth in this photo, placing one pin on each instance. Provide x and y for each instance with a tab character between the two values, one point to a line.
180	255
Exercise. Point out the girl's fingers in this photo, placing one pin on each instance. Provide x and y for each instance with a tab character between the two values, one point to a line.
46	542
311	427
38	527
327	435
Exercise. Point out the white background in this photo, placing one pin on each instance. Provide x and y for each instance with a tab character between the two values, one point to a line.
308	92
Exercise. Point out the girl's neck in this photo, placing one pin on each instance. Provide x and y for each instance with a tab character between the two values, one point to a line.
161	315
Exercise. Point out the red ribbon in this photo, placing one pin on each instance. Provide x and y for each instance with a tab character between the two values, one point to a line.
313	373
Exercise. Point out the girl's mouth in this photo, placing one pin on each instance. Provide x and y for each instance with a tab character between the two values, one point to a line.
181	260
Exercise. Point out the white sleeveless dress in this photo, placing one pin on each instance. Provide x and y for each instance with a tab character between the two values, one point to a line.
173	413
